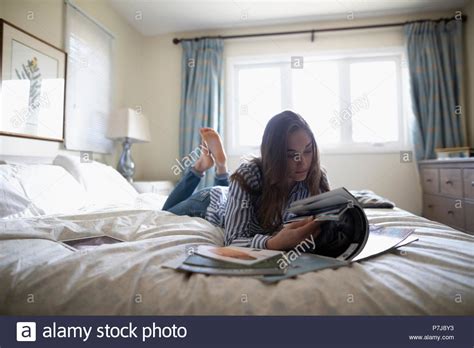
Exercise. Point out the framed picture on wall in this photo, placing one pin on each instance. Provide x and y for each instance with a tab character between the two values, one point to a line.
32	85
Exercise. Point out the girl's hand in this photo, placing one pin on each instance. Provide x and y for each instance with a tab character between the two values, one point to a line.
293	234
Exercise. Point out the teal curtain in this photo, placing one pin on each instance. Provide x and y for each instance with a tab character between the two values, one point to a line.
202	96
435	57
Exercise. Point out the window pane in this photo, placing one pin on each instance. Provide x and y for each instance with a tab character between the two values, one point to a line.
374	105
259	100
316	98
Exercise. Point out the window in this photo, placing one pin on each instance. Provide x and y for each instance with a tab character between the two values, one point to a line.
260	97
88	86
352	103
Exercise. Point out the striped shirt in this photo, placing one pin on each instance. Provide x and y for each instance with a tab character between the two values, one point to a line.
235	209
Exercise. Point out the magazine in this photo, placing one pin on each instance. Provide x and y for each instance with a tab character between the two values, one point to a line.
343	221
382	239
89	242
238	255
309	263
201	264
350	238
345	237
271	270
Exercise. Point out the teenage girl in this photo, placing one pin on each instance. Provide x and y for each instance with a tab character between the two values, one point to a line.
251	205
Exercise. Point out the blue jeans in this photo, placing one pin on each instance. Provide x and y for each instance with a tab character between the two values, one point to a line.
183	200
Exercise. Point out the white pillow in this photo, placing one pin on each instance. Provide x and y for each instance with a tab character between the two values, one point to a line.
103	184
13	201
71	165
51	188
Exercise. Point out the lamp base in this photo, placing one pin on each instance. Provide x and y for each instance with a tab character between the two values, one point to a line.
126	166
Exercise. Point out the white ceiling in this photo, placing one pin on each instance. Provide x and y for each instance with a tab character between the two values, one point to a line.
154	17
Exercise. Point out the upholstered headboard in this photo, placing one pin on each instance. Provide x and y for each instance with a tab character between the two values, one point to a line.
26	159
39	159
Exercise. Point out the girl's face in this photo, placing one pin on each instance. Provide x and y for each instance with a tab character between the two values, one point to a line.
299	155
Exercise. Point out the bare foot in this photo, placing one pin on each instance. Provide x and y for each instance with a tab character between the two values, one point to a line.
205	160
214	142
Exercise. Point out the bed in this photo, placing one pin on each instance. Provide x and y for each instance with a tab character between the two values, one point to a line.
40	276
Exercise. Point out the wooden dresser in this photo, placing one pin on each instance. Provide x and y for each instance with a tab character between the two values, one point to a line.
448	192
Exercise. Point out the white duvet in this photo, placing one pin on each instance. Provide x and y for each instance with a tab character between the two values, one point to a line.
38	275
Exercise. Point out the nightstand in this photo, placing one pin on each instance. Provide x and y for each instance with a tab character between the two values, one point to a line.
159	187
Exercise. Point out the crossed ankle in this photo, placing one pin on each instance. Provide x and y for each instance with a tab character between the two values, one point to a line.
197	172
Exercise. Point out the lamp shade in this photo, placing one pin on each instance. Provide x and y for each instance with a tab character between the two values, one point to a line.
127	123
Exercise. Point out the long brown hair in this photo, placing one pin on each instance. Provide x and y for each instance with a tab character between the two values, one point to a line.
273	165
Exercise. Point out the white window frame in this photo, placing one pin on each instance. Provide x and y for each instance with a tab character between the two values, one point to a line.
397	54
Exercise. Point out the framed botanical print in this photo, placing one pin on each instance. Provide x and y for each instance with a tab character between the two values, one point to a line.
32	86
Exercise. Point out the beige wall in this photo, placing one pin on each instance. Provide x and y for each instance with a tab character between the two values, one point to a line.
382	173
161	103
148	74
48	24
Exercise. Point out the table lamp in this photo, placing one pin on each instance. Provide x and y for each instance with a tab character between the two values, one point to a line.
130	127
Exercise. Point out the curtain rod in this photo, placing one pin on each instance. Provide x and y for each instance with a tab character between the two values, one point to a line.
313	31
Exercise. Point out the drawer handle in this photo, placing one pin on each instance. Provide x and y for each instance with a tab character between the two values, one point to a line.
472	184
430	205
450	212
429	180
449	182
